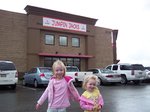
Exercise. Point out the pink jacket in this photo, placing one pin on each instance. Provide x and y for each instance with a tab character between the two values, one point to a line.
48	93
87	104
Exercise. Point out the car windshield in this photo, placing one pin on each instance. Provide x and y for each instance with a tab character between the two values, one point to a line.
72	69
45	70
106	71
148	68
7	66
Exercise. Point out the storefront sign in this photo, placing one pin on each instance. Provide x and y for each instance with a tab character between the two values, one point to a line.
57	23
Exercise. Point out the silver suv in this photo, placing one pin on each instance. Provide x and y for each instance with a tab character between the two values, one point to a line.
8	74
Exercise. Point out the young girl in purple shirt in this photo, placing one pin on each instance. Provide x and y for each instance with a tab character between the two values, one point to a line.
59	90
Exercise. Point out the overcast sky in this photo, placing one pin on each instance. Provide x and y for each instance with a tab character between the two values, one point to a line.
130	17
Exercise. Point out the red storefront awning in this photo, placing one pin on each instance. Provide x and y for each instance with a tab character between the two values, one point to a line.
65	55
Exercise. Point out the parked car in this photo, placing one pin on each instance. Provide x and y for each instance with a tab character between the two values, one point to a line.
106	76
148	75
37	76
77	75
8	74
147	68
129	72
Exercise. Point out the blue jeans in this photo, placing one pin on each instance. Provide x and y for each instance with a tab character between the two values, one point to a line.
56	110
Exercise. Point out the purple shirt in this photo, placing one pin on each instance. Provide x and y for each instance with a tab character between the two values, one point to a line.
61	98
58	93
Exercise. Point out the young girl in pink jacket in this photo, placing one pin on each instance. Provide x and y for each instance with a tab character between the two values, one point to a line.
59	90
91	100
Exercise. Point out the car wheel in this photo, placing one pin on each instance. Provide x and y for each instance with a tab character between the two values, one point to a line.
100	81
13	86
123	79
35	83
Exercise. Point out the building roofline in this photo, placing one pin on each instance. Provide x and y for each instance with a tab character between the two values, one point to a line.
57	14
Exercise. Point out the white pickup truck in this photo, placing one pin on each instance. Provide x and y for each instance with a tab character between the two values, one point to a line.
128	72
78	76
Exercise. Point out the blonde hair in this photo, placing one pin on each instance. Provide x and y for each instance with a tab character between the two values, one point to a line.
87	78
60	63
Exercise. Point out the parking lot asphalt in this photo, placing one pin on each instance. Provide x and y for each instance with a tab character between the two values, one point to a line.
117	98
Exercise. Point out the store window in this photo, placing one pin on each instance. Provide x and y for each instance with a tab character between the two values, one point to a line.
77	62
70	61
49	39
75	42
64	60
63	40
55	59
48	61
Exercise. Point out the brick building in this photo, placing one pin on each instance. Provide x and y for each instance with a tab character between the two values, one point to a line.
41	36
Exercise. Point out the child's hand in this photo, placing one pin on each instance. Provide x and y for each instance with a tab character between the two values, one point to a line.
37	106
99	108
95	108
